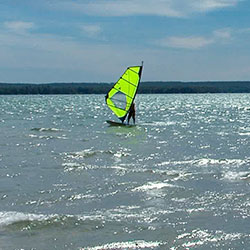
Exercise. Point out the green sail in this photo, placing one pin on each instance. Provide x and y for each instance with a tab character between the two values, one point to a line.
122	94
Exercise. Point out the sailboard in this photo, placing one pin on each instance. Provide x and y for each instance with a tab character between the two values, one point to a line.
112	123
121	96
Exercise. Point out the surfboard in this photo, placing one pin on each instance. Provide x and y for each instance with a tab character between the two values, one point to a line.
112	123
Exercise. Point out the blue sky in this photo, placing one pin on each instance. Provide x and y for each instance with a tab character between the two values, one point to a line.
95	40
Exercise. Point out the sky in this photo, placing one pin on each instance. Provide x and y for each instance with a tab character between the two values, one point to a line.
43	41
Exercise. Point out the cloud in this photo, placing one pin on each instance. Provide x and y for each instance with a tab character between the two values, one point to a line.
210	5
50	58
91	30
170	8
18	26
121	7
194	42
67	58
222	34
243	31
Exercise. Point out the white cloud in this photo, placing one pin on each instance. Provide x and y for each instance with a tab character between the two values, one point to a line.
210	5
121	7
91	30
71	60
18	26
170	8
244	31
50	58
194	42
222	33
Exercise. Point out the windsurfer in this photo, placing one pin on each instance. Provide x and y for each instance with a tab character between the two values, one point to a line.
131	113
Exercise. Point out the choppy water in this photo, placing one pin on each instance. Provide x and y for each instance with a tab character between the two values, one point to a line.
180	179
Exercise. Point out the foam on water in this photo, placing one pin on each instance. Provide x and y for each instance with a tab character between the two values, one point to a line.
46	129
153	185
24	221
137	244
236	176
89	152
9	218
47	137
201	238
208	162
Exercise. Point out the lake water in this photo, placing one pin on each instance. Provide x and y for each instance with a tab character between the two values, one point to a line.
180	179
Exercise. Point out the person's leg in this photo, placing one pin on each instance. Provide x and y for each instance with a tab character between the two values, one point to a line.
129	116
133	117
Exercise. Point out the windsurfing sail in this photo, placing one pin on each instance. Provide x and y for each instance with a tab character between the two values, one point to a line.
121	96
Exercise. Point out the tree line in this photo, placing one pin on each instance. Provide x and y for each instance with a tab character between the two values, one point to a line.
159	87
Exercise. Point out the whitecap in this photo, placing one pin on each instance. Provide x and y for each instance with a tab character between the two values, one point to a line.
199	238
81	197
193	210
166	163
159	123
47	137
86	153
8	218
203	162
46	129
207	162
234	176
11	218
152	186
138	244
245	134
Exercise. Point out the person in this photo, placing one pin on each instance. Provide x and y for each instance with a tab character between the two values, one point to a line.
131	113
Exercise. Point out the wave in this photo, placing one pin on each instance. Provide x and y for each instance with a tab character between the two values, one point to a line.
11	218
159	123
238	162
245	134
18	221
207	162
234	176
47	137
170	174
26	221
244	131
201	238
137	244
74	166
46	129
87	153
153	186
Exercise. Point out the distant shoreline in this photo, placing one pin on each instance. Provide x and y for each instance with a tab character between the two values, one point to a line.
150	87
